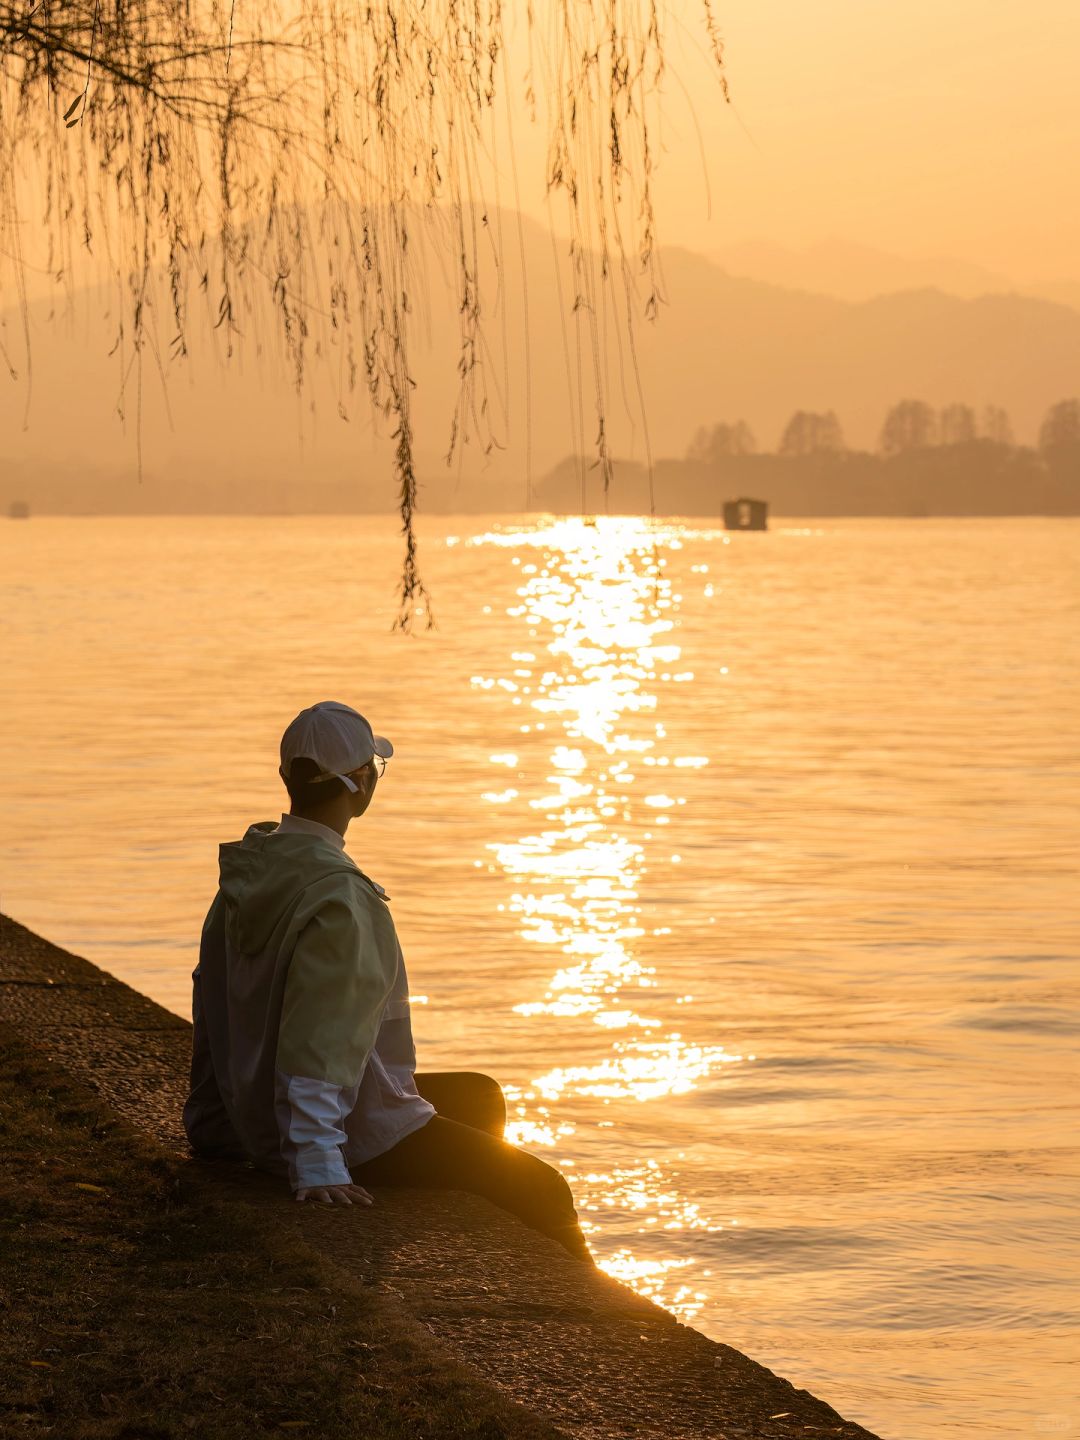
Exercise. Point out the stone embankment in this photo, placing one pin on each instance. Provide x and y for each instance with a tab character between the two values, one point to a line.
580	1351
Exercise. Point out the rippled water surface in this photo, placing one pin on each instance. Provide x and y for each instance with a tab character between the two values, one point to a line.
748	865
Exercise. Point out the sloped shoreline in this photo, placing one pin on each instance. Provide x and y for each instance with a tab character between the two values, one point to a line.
570	1349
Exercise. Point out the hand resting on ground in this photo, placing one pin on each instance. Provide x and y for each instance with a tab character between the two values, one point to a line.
337	1194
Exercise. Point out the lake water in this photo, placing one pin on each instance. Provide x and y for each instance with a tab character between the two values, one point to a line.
748	865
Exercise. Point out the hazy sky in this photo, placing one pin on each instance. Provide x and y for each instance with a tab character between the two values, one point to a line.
929	127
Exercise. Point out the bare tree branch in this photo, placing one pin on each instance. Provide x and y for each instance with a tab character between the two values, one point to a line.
289	148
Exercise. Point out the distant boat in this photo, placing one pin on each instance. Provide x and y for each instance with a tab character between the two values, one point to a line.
19	510
744	514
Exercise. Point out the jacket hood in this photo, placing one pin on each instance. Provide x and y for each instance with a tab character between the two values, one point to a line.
262	875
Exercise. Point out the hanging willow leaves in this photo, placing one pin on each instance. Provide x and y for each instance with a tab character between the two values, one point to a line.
294	148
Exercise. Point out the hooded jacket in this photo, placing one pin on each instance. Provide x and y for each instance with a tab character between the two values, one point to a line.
302	1054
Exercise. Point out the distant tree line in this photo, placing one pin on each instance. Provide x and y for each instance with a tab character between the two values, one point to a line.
909	425
951	461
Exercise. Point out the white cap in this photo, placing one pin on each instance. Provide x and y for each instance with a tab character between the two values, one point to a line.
336	737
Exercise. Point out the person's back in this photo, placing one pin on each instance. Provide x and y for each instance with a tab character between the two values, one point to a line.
297	1050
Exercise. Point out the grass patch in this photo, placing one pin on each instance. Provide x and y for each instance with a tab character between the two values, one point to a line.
136	1305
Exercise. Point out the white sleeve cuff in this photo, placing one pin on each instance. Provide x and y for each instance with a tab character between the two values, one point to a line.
311	1115
310	1173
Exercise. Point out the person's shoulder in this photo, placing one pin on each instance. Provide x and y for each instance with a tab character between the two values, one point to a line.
345	883
374	887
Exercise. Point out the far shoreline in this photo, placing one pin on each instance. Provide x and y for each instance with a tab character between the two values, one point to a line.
526	515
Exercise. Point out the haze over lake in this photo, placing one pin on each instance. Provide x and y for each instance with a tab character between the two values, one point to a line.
747	864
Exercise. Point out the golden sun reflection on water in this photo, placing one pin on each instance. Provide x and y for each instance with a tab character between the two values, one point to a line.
596	608
650	1277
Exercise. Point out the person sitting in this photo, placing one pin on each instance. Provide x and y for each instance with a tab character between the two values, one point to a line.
303	1058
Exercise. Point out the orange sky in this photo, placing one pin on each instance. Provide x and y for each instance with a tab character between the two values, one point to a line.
932	127
929	128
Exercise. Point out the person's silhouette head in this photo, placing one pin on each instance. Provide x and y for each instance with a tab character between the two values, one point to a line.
331	761
320	799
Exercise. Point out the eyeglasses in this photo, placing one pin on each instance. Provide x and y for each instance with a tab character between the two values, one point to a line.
379	761
380	767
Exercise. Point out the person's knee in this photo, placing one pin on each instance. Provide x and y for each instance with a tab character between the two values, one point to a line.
490	1102
488	1087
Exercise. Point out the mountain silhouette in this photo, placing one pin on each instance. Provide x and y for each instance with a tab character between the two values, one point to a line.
235	435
